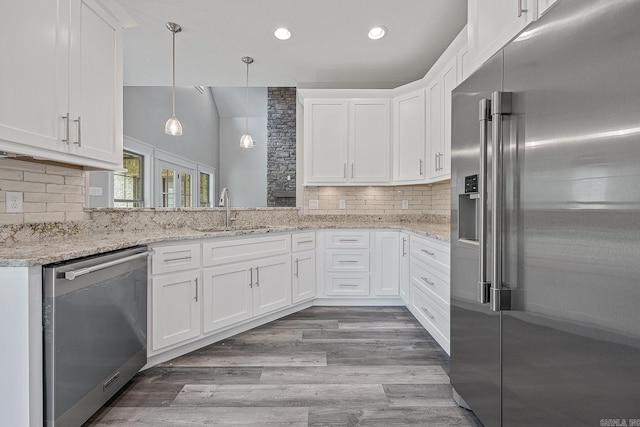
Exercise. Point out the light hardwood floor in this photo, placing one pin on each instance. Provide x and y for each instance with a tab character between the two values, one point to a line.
324	366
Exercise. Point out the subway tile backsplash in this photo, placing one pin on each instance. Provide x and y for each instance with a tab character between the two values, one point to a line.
51	193
420	199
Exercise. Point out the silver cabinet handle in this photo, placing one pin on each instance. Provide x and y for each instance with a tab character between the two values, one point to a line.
347	285
348	260
483	284
348	240
251	277
500	105
70	275
427	252
177	259
79	122
521	10
435	160
351	170
424	279
420	166
296	263
404	241
257	276
429	315
196	289
66	119
304	241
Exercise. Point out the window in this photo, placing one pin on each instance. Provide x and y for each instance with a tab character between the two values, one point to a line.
174	185
206	186
128	186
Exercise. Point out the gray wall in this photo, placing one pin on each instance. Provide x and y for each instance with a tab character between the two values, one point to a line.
244	171
146	109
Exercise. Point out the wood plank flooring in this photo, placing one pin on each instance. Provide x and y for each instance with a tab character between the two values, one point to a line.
323	366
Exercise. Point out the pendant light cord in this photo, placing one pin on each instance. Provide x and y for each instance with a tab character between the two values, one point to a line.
174	73
247	103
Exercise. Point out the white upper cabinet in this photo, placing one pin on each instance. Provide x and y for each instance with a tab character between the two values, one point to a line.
346	141
409	138
439	121
369	148
62	95
326	134
493	23
32	75
95	89
544	5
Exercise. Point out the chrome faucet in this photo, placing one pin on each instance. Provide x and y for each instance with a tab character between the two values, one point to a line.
225	200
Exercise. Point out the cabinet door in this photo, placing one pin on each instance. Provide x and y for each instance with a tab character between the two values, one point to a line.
176	308
33	75
405	263
326	135
369	141
440	141
434	125
386	270
304	276
272	284
227	294
493	23
95	83
409	138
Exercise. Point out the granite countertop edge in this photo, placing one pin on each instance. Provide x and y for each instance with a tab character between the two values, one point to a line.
31	254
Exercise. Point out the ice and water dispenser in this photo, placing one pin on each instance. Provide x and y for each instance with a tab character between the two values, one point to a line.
468	210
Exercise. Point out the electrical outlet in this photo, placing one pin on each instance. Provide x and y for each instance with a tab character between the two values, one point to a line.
95	191
343	204
14	201
313	204
405	204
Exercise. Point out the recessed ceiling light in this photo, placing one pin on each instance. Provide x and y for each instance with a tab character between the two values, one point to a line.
377	33
282	33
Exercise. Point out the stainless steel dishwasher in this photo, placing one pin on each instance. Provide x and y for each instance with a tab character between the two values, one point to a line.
95	331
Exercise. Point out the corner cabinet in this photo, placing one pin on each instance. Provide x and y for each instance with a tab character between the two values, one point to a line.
62	94
347	141
409	138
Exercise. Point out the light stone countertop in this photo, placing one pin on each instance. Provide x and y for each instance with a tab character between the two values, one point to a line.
52	250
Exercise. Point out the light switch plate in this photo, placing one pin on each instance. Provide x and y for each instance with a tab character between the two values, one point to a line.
405	204
313	204
343	204
14	201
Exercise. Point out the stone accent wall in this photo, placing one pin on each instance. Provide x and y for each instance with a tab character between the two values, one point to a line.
422	199
281	146
50	192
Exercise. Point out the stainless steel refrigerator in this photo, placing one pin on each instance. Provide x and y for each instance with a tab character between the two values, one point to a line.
545	223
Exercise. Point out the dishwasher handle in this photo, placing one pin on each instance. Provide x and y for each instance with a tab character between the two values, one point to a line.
70	275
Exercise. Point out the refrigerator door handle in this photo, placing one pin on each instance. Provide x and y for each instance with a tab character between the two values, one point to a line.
500	106
483	284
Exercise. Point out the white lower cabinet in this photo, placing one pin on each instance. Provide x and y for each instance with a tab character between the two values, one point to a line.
386	264
304	276
227	295
404	267
175	304
272	285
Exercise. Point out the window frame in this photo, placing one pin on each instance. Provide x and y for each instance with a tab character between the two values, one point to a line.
143	180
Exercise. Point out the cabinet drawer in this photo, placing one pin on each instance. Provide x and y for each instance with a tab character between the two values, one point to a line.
346	260
431	316
347	239
431	281
169	259
337	284
228	251
430	252
303	241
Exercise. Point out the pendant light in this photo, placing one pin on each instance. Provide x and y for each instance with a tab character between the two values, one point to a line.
173	125
246	141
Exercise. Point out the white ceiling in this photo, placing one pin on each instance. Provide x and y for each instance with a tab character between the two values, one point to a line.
329	47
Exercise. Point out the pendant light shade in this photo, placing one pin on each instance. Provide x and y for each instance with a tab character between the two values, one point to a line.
246	141
173	125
